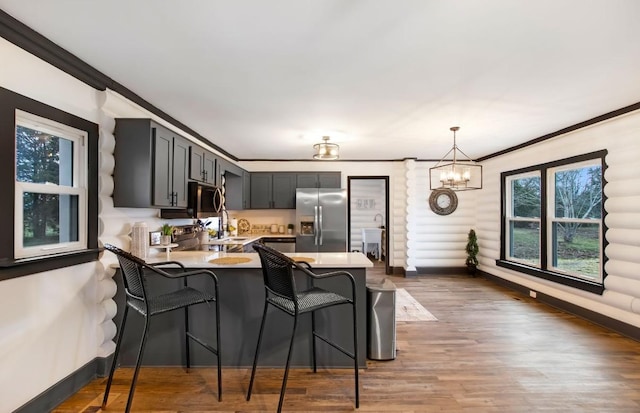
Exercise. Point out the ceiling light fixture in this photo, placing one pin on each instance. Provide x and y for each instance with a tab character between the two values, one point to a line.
326	150
459	174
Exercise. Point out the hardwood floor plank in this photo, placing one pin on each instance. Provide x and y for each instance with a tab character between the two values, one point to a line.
491	350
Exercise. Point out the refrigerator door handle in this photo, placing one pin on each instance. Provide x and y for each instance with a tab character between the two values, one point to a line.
320	224
315	225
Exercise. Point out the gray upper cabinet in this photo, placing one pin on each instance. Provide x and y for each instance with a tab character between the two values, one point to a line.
246	190
261	190
203	166
284	190
180	169
236	188
318	180
151	166
273	190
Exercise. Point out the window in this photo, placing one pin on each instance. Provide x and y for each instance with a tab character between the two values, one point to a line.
523	218
49	170
50	188
553	221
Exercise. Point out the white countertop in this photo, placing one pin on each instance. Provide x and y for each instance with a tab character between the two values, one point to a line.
200	259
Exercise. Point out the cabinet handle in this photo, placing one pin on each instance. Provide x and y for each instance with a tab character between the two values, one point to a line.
174	202
204	175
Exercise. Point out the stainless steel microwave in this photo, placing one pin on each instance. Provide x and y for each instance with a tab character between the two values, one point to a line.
202	201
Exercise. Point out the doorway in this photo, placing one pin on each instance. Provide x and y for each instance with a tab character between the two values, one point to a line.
368	208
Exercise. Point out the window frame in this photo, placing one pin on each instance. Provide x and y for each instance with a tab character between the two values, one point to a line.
77	188
10	265
547	206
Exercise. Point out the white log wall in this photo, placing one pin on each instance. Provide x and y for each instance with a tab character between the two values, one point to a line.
621	138
50	322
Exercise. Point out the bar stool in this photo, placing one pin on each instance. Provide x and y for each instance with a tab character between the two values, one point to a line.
137	298
281	293
372	236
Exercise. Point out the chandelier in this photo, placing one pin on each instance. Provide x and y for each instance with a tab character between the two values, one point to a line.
461	174
326	150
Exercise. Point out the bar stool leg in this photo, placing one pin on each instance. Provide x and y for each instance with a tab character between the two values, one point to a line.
138	363
186	337
355	351
218	356
115	357
255	358
313	340
286	370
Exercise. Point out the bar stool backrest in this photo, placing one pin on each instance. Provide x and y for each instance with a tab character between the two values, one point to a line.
132	269
277	270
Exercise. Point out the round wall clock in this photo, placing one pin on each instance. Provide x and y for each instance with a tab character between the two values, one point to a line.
443	201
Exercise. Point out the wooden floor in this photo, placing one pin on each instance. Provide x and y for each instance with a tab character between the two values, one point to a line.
491	350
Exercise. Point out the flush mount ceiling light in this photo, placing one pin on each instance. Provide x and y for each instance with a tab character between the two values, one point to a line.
326	150
461	174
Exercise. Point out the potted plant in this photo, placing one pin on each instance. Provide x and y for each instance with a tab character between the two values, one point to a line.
290	228
472	252
166	230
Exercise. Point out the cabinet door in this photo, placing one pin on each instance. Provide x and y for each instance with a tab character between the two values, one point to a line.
246	190
329	180
233	191
210	169
306	180
261	190
162	168
284	191
180	171
196	163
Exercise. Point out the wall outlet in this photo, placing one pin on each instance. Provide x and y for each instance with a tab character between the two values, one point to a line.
532	294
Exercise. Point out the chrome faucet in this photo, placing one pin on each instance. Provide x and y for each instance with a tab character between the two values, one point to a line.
375	218
221	223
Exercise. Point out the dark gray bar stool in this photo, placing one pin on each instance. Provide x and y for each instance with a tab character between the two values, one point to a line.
281	293
133	275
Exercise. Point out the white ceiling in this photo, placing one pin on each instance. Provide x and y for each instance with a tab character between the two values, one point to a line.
385	78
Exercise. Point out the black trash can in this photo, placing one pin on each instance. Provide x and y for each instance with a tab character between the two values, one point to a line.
381	320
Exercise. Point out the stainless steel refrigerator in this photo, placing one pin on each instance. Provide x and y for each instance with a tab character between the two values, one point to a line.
321	220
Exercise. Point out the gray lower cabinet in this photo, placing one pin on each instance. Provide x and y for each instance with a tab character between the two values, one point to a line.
275	190
151	165
318	180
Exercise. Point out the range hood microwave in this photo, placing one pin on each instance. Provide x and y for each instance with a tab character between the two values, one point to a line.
202	201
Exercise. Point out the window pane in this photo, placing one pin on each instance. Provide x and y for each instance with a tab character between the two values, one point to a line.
49	219
42	157
525	241
525	193
576	248
579	193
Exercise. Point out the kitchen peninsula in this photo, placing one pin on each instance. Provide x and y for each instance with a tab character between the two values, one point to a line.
241	305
